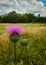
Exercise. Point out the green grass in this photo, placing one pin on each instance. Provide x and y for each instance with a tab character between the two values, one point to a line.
36	35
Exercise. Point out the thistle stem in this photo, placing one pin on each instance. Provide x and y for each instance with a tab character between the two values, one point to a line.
14	54
20	54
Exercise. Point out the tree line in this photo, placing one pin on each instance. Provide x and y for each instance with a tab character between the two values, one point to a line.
13	17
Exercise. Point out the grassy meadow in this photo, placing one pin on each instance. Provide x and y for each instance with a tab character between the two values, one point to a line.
36	49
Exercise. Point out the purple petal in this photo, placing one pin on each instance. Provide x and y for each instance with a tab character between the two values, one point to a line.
12	29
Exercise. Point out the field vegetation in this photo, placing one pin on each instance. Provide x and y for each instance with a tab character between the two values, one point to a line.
33	54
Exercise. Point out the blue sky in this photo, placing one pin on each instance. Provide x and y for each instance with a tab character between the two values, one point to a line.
23	6
44	2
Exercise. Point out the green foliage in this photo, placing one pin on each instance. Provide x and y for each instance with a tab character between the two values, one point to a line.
31	54
6	56
13	17
36	55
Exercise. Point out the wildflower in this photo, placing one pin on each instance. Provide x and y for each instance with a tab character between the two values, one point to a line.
14	29
15	32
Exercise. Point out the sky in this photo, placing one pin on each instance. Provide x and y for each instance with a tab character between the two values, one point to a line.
23	6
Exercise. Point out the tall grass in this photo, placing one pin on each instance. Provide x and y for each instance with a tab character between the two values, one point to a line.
35	51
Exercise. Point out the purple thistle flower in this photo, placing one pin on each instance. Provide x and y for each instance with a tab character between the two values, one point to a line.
14	29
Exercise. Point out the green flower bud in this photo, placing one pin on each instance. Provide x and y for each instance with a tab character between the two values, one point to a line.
24	42
14	37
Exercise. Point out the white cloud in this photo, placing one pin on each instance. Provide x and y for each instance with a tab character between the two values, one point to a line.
34	6
25	3
23	6
17	4
4	1
9	10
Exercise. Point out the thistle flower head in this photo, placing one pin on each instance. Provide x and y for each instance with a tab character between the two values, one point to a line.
14	29
15	32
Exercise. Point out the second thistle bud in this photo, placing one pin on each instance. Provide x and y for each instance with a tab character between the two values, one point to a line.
24	42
